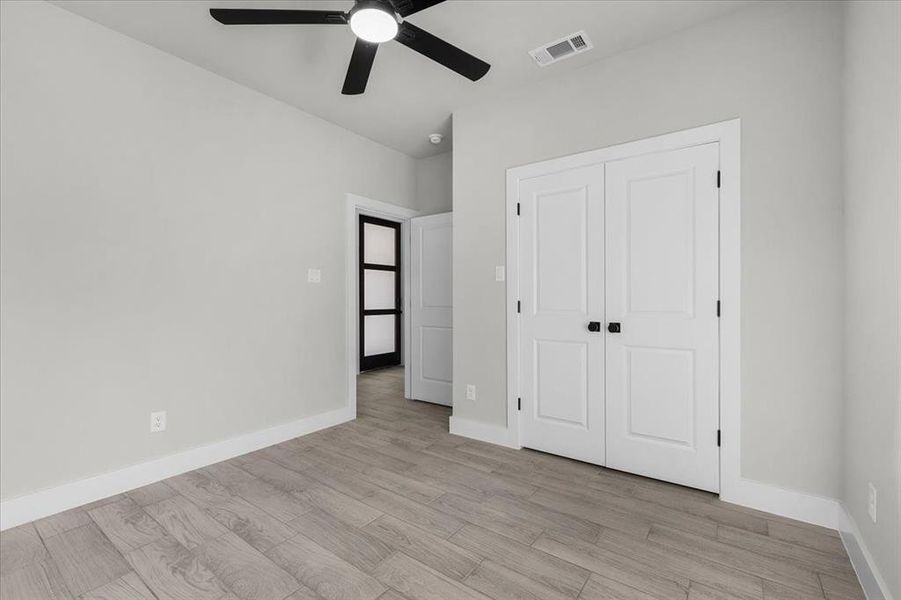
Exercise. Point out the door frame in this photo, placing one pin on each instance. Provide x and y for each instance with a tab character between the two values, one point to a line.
397	311
728	135
354	207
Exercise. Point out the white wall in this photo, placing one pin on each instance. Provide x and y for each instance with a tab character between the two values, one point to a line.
157	225
777	66
434	184
872	448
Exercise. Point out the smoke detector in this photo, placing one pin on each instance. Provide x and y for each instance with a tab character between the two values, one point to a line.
565	47
435	138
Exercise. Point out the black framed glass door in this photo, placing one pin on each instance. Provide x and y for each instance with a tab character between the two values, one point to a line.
380	293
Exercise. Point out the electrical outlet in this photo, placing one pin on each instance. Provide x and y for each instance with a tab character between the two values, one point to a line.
470	392
871	501
314	276
500	273
158	421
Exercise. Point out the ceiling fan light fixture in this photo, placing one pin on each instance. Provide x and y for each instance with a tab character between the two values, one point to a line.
374	25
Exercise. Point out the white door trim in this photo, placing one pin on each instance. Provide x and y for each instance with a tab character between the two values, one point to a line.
355	206
728	134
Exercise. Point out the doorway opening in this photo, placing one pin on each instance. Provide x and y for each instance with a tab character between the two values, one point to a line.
381	301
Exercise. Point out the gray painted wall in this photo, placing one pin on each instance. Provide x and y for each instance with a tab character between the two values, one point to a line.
872	419
778	67
434	184
157	224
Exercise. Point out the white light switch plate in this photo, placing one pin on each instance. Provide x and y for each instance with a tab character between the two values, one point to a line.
314	276
500	273
470	392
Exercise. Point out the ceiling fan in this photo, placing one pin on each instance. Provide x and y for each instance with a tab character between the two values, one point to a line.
373	22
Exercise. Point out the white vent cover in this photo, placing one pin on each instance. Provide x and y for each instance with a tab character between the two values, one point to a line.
573	44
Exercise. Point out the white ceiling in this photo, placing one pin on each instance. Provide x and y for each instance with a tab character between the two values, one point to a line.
408	96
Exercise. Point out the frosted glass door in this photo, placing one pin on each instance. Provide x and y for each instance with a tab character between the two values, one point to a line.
380	299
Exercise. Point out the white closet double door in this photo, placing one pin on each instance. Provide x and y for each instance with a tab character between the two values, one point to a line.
619	329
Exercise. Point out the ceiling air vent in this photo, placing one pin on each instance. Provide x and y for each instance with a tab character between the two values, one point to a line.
570	45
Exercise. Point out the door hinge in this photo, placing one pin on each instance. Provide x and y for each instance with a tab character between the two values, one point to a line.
718	179
717	308
518	206
719	438
518	306
519	404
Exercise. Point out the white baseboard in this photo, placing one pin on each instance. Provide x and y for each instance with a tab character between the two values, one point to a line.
874	585
44	503
484	432
792	504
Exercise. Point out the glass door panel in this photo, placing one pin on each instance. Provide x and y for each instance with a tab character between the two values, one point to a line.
380	293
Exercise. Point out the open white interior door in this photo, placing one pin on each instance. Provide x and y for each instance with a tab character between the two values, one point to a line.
431	306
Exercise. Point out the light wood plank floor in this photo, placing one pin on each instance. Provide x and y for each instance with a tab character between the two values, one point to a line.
392	507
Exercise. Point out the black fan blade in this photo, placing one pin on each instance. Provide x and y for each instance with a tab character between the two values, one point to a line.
359	67
253	16
405	8
440	51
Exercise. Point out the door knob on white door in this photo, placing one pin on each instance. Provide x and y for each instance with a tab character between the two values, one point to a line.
614	327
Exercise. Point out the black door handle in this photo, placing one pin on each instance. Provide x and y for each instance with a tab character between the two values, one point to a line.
613	327
594	326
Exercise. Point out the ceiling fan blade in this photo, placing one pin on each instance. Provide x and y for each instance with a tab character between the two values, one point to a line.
441	52
405	8
360	65
254	16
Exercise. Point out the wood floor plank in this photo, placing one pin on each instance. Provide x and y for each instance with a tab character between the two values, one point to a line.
399	483
556	573
36	580
777	591
244	570
546	517
498	582
429	549
776	570
253	525
699	591
126	525
201	489
185	521
599	513
347	509
668	562
171	571
19	547
264	496
806	536
426	516
515	527
839	588
713	509
350	482
358	547
127	587
85	558
323	572
416	581
61	522
151	494
815	560
602	588
278	476
612	565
